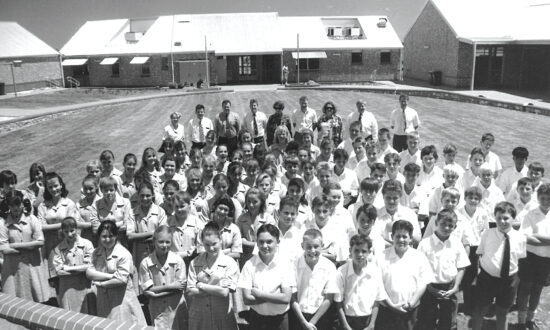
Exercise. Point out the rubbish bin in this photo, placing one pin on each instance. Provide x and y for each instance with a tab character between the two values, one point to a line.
436	77
2	88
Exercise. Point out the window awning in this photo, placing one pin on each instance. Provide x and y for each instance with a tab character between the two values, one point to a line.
109	61
139	60
74	61
309	55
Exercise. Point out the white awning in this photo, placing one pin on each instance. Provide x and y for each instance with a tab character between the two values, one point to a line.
139	60
309	55
109	61
74	61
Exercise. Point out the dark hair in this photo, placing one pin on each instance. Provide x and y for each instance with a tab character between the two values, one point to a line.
270	229
427	150
156	165
199	106
412	167
287	201
183	196
402	225
105	153
168	141
211	227
370	184
331	185
378	167
252	101
224	102
536	167
392	185
319	201
292	146
68	223
219	177
293	160
449	148
227	201
180	145
16	197
110	226
520	152
477	150
368	210
360	240
525	181
326	105
544	189
171	158
53	175
233	166
128	156
313	233
147	185
473	191
6	177
259	153
340	154
279	105
392	156
172	183
447	215
505	207
384	131
36	167
488	137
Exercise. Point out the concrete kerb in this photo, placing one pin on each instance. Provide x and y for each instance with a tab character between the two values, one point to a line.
437	94
71	107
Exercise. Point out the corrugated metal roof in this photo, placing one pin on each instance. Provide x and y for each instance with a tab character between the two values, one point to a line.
16	41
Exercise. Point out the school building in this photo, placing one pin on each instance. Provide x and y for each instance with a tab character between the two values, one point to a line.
27	60
232	49
497	44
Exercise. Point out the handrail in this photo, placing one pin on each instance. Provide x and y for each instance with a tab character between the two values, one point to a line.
73	82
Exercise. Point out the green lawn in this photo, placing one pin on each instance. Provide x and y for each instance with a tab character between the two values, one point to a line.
65	143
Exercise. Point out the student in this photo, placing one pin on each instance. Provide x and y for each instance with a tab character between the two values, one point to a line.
247	149
329	125
369	196
222	153
406	273
237	157
489	190
535	172
221	184
324	174
514	173
290	235
172	172
523	201
107	159
292	169
403	121
23	271
185	228
354	132
327	148
345	177
366	218
223	213
413	196
384	147
112	271
499	252
449	155
412	153
209	148
94	167
35	190
296	190
368	124
275	120
307	142
208	171
475	160
371	151
181	157
167	148
360	286
450	176
492	159
281	140
86	206
535	269
195	188
162	277
310	179
71	258
267	281
264	182
448	259
252	168
128	187
236	189
150	166
431	176
359	161
169	190
303	118
315	286
393	162
338	214
212	277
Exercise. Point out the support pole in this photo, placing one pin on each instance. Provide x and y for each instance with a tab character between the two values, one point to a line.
473	67
172	51
298	56
206	58
13	79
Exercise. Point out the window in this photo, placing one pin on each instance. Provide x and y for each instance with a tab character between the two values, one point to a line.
385	58
309	64
164	63
357	58
146	69
247	65
115	70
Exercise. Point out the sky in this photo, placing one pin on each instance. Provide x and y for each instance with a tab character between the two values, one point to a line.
55	21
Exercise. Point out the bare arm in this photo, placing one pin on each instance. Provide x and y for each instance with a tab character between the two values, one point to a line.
27	245
140	236
53	226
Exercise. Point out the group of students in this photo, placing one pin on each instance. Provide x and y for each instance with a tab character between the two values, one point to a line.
259	223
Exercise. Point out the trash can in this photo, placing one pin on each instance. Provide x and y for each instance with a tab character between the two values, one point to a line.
2	88
436	77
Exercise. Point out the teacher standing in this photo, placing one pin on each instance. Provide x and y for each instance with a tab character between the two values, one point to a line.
227	126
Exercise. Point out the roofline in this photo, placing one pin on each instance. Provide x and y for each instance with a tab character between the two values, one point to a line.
27	56
502	41
443	17
417	17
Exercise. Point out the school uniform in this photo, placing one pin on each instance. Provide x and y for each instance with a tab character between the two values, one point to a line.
358	293
432	180
272	202
386	151
490	196
167	312
120	210
74	289
128	187
186	237
119	302
348	181
268	278
180	179
435	199
149	222
490	282
464	231
313	285
200	206
206	311
304	216
446	258
248	228
240	194
536	267
415	200
492	159
24	274
290	243
231	237
347	145
377	203
85	211
402	277
382	226
309	187
343	219
510	176
35	193
335	238
407	157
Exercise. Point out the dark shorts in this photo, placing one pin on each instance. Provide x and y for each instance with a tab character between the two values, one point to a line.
534	269
358	322
268	322
502	290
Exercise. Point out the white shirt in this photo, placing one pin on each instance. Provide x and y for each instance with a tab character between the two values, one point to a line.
490	196
383	223
193	129
301	119
335	238
416	200
348	181
347	145
369	125
404	121
432	180
290	243
536	222
313	285
463	231
270	278
435	199
509	177
445	257
491	250
404	276
359	293
479	222
492	159
383	153
406	158
177	134
468	179
261	121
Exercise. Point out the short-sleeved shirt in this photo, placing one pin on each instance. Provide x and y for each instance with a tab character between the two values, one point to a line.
313	285
51	214
78	254
227	126
261	123
490	196
119	263
402	213
406	158
404	121
120	210
479	222
128	188
359	293
464	231
149	222
507	178
231	238
224	268
194	127
304	119
348	181
335	238
152	273
27	229
85	209
186	237
491	250
430	181
492	159
279	273
536	222
175	133
445	257
403	276
248	226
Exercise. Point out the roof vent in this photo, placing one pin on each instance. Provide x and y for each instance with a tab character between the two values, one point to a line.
133	37
382	21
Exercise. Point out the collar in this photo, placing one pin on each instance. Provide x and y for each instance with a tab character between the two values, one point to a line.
437	242
11	221
153	261
100	251
78	244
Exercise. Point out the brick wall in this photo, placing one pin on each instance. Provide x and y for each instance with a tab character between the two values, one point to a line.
34	72
337	67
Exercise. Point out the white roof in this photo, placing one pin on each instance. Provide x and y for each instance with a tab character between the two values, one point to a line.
16	41
227	34
497	21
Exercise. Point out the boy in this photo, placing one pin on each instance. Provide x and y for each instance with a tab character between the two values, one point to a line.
359	285
393	162
384	147
304	154
412	154
403	121
516	172
307	142
345	177
370	195
535	269
358	162
413	196
378	172
256	122
354	132
487	141
489	190
291	236
292	167
451	176
499	252
371	151
448	259
324	174
406	272
332	191
535	172
449	154
308	173
198	127
524	201
292	148
315	286
366	216
326	152
431	176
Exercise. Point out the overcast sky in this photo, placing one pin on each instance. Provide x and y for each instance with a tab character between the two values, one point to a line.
55	21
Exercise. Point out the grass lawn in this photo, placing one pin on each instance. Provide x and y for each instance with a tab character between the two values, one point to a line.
65	143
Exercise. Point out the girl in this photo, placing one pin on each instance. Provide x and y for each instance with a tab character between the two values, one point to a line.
237	157
148	217
221	155
198	194
162	277
210	146
71	258
477	158
259	154
245	137
252	169
23	274
267	281
94	167
111	272
86	205
296	191
280	141
107	159
167	148
236	189
150	165
247	149
265	184
172	172
170	189
185	228
208	171
35	190
8	182
249	222
307	142
223	214
180	153
212	277
196	158
128	186
221	184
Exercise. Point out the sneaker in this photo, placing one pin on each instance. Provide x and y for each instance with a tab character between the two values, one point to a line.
531	325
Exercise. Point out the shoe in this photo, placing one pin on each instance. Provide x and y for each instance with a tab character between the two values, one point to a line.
531	325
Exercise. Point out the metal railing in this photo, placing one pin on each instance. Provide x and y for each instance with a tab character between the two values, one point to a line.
73	82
